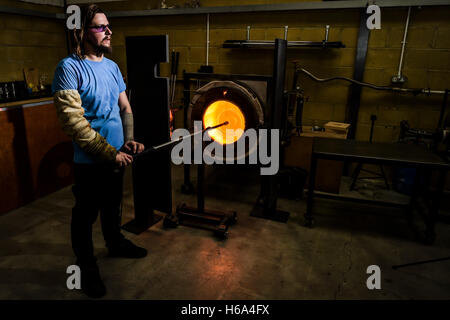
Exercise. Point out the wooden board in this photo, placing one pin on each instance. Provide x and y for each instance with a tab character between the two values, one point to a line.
298	154
36	156
341	126
307	132
24	102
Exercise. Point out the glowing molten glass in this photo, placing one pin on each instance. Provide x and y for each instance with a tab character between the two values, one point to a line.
219	112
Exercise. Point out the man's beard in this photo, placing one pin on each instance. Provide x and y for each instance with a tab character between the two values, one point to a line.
99	49
103	49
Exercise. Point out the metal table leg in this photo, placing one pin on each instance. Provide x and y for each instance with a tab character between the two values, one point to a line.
356	175
414	195
310	201
201	188
186	187
430	234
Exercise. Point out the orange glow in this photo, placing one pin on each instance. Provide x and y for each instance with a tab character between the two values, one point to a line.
171	121
219	112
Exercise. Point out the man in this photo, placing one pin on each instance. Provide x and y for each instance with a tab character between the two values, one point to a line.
92	106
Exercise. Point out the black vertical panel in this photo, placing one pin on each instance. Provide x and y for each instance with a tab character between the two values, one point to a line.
276	119
150	103
269	195
358	74
279	74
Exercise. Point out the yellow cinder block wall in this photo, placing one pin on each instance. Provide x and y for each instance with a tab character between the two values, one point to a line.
27	42
426	62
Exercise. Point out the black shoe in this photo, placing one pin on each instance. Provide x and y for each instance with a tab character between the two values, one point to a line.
126	249
91	283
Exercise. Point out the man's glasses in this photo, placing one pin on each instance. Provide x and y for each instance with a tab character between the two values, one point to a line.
101	28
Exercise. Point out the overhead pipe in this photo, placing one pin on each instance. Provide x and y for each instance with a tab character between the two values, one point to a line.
399	78
327	31
207	39
372	86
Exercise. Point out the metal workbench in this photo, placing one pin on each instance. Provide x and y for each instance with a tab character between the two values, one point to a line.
403	155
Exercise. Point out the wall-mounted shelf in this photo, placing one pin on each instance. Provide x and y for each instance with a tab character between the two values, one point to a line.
271	44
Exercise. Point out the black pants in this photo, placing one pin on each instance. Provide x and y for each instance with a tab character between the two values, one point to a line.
98	187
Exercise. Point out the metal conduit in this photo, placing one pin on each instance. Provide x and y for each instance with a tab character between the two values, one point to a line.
372	86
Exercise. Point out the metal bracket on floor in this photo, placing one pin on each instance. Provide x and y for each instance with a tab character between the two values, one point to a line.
215	220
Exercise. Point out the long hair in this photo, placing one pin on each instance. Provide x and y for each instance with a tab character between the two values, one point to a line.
79	35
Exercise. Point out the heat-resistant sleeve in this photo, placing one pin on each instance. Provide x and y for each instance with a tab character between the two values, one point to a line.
70	114
128	127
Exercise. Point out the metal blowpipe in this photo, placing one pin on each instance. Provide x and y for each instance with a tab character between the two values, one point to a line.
169	143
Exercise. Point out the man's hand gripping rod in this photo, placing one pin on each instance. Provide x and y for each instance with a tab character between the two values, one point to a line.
169	143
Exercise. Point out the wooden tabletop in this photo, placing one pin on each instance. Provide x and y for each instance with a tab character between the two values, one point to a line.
393	153
24	102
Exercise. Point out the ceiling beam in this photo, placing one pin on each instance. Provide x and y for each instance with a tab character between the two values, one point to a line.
299	6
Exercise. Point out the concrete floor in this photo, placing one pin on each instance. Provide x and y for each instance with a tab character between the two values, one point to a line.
261	259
